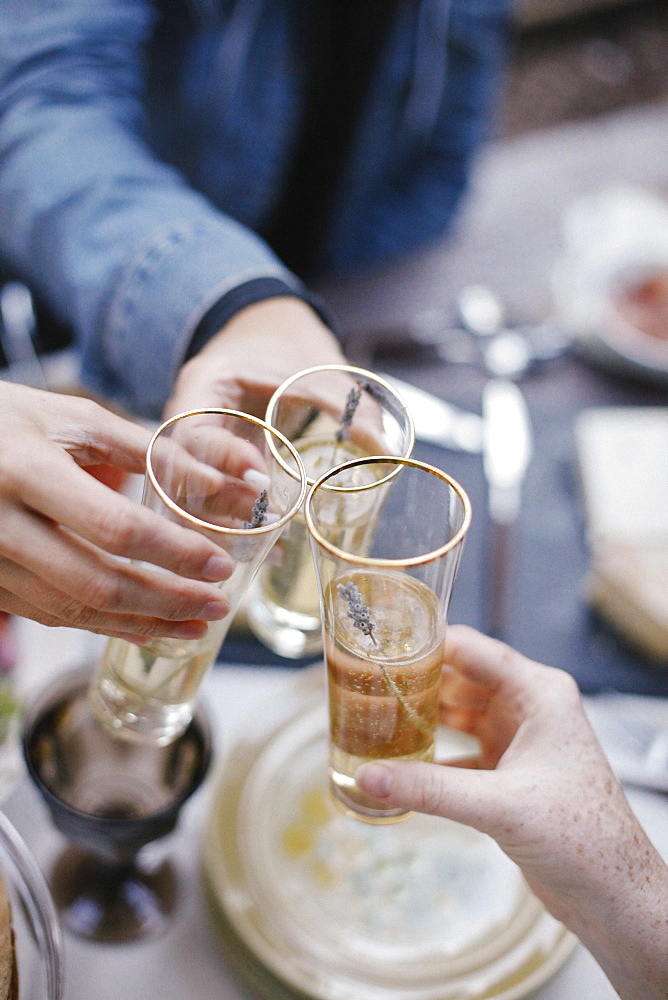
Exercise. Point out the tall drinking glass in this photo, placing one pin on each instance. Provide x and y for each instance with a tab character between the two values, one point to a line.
331	413
233	478
384	602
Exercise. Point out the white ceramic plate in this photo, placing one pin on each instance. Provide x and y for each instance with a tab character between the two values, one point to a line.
312	903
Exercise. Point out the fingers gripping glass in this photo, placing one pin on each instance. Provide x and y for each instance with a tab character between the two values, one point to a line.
214	471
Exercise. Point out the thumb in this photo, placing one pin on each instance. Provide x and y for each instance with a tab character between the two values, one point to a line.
461	794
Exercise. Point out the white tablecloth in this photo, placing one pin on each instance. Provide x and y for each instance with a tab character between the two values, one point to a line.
186	962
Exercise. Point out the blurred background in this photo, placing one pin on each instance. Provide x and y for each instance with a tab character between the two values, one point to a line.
575	59
571	61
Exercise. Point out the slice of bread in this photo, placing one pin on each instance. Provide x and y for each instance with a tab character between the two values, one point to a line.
8	970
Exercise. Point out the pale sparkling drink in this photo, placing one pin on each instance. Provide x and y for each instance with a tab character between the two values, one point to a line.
156	685
383	687
331	414
287	587
215	472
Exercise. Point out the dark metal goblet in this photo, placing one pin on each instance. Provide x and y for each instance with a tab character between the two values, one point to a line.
110	798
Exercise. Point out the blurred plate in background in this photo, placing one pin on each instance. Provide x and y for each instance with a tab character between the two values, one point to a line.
610	284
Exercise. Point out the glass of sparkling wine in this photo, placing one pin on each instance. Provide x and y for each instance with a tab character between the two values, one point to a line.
331	414
233	478
384	611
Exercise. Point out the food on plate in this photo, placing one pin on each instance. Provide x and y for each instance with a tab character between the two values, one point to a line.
642	302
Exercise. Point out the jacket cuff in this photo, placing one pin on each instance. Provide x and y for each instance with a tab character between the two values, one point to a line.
245	294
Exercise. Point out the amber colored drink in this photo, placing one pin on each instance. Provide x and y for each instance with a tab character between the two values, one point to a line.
383	688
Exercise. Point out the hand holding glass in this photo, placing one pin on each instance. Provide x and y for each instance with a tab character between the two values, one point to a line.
386	555
214	471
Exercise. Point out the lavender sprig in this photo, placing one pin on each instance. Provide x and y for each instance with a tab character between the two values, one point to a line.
362	620
259	511
359	612
352	402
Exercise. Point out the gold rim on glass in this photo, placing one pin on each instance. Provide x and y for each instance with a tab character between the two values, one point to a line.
270	432
351	370
414	463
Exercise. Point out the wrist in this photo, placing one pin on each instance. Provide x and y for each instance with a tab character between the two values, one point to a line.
242	296
279	322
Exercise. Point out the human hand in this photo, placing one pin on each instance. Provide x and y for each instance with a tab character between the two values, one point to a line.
543	789
254	352
62	532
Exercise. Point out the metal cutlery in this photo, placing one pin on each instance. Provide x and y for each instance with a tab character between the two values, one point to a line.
438	422
507	449
507	352
504	436
479	336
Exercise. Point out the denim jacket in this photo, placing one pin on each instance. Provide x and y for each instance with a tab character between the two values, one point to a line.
142	146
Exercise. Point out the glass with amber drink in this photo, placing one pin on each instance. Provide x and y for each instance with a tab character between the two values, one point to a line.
387	537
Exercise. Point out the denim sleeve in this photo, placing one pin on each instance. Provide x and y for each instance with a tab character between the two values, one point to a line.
118	243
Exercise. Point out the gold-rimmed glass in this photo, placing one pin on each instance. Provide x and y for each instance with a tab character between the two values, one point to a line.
385	585
331	414
205	469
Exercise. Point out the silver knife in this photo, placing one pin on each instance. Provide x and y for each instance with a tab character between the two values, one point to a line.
438	422
507	448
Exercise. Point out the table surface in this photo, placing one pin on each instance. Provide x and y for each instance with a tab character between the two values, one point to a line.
187	960
509	237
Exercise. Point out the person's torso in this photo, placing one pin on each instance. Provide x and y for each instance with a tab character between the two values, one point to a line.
284	112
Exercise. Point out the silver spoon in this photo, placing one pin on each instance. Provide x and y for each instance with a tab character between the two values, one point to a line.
506	352
481	310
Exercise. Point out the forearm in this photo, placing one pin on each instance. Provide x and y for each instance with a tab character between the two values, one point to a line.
622	917
118	243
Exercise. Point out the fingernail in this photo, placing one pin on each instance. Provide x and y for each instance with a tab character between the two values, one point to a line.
257	480
136	640
188	630
374	779
214	610
217	568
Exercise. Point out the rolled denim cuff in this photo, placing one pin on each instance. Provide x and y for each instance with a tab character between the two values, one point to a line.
161	298
255	290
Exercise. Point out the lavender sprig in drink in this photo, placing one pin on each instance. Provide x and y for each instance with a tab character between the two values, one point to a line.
383	674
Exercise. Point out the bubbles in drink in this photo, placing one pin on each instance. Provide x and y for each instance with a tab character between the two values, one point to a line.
147	692
286	593
383	686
